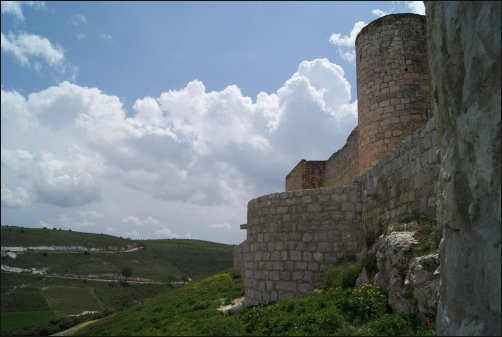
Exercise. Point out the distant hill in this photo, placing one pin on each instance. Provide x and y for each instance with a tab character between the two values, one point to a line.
78	281
13	236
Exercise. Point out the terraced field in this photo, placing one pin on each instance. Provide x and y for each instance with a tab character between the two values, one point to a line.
74	282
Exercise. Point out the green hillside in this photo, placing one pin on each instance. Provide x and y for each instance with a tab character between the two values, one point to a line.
27	237
191	310
93	281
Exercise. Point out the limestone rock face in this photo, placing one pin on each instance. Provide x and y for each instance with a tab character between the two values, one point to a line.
394	254
422	281
411	283
464	58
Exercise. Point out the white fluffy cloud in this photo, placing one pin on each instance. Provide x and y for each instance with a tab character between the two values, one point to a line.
78	19
220	226
379	12
416	7
346	43
15	7
28	46
208	152
14	198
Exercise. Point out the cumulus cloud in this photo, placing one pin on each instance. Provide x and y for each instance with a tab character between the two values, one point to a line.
208	150
66	182
39	54
346	43
166	233
379	12
220	226
134	220
78	19
15	7
14	198
25	46
44	224
150	227
17	160
416	7
91	213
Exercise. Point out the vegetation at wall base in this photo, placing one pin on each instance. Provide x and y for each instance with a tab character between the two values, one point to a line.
192	310
343	275
428	233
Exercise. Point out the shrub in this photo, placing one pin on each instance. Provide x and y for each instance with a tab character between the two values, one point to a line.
429	234
343	275
360	304
373	234
392	325
126	271
369	262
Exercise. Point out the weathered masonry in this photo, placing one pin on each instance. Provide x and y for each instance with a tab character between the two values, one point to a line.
386	170
393	97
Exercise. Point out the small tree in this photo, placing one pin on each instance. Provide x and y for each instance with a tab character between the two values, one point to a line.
126	272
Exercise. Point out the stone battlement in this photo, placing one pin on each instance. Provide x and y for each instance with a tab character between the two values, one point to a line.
386	170
394	100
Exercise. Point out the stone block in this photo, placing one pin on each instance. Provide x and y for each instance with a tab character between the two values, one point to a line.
297	275
286	275
300	265
318	256
295	255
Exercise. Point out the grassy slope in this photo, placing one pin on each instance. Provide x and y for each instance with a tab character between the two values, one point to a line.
22	237
191	310
161	260
14	319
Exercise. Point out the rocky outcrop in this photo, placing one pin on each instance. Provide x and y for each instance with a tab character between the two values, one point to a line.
394	255
422	282
411	283
464	58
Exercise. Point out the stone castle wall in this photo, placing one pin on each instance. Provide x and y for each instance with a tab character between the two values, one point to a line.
288	233
330	205
341	167
394	100
305	175
293	236
403	182
393	84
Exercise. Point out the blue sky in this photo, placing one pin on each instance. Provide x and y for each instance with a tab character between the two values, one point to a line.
162	119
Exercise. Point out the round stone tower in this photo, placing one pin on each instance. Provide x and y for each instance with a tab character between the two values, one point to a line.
393	84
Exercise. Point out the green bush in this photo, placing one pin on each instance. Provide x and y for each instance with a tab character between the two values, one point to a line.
305	315
429	234
343	275
392	325
360	304
372	234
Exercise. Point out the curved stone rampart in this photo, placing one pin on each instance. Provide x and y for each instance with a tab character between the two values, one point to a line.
293	236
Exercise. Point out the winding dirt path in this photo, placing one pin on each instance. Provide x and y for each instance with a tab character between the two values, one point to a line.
73	329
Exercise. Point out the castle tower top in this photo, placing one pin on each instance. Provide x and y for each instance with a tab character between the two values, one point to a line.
393	85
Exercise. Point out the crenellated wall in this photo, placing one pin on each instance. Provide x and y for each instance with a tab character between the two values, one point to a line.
404	166
393	96
305	175
293	236
386	171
